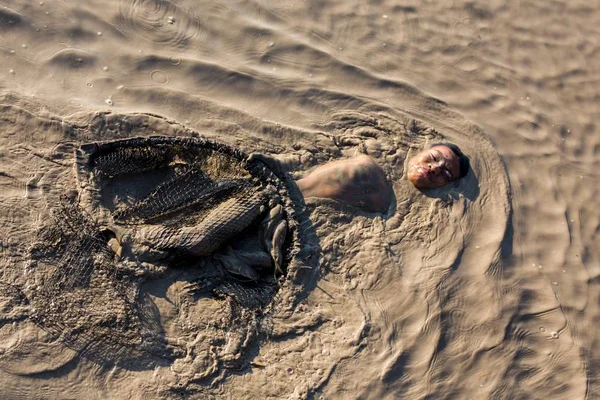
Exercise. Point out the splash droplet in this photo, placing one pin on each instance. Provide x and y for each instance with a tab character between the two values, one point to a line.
99	34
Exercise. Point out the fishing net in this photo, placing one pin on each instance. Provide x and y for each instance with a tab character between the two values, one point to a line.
157	208
87	301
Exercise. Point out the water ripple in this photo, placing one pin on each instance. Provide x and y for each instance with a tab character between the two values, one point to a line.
158	23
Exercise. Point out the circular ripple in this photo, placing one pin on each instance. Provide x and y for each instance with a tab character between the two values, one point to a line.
159	76
160	23
174	60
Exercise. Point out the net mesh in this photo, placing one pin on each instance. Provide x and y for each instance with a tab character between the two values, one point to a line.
94	300
190	188
71	304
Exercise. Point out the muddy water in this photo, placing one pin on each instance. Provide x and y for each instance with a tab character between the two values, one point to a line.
487	289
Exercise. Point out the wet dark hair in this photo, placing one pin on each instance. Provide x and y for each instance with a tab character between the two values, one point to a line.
463	160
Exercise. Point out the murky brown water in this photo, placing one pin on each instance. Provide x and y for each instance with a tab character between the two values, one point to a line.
486	290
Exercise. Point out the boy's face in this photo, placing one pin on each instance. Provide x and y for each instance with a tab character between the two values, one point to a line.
433	168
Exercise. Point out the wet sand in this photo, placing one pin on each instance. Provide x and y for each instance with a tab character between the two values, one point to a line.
485	289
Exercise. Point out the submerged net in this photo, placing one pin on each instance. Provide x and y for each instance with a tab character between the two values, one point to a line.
145	207
87	301
189	188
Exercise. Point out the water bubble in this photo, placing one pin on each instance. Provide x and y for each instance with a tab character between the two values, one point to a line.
105	68
120	87
271	44
99	33
171	20
542	329
174	60
12	71
554	335
24	46
12	52
159	76
384	16
109	102
90	84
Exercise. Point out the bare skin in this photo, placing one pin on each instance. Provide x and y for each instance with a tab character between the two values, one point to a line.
433	168
360	181
357	181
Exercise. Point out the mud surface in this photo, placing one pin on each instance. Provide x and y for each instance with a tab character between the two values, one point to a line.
484	289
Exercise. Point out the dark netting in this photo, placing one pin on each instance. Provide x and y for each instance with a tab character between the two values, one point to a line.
190	189
148	206
88	302
130	160
247	294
